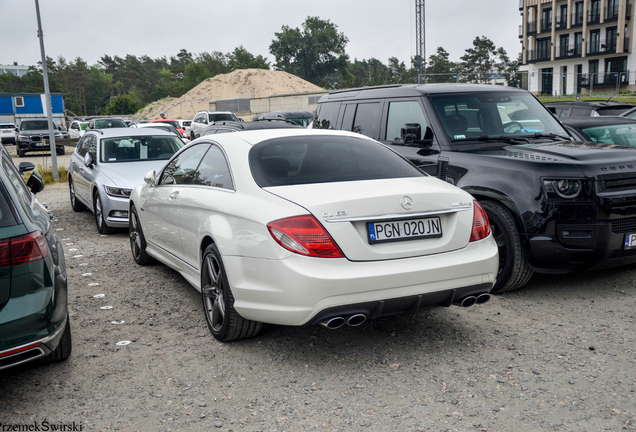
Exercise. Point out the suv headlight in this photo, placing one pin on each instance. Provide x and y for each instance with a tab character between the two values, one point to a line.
118	191
564	188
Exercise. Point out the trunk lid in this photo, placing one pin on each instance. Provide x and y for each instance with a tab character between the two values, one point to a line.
345	209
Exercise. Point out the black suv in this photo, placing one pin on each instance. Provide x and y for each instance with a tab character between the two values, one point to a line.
555	205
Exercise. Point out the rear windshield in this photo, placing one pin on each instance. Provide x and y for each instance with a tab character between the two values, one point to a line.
222	117
6	215
170	122
138	148
325	159
7	126
110	123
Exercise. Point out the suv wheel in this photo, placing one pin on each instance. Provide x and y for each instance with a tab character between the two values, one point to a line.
21	152
514	271
64	348
75	204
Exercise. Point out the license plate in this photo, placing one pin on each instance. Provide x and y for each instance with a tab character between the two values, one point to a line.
406	229
41	144
630	241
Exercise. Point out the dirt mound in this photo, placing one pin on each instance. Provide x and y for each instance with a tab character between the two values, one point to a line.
250	83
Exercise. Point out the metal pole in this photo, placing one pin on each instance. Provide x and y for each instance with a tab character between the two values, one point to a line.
420	39
47	95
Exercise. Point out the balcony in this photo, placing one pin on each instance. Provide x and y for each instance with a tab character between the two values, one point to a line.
608	79
546	25
568	51
602	47
561	22
538	56
520	4
532	28
611	12
521	31
577	19
594	17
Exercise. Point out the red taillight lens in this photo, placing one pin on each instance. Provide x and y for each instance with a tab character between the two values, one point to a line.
481	227
23	249
304	235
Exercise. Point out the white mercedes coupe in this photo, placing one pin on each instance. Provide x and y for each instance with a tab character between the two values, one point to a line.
301	227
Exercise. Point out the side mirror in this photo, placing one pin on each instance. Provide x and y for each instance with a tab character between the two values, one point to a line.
151	178
412	135
25	166
241	120
88	160
35	182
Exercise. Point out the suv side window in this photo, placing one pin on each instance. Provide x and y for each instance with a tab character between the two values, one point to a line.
401	113
327	116
367	121
17	182
82	146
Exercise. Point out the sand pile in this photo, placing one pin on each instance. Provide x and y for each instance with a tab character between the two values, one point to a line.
250	83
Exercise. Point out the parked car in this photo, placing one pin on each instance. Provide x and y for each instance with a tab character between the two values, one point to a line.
31	136
203	119
225	127
297	227
554	205
609	130
77	128
34	321
163	126
185	125
174	123
300	117
106	123
588	108
108	163
8	132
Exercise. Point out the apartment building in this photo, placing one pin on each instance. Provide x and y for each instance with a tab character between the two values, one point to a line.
578	46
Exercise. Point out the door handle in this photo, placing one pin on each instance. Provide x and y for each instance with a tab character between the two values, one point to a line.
174	195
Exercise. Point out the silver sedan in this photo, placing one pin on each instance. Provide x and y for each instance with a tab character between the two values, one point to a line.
108	163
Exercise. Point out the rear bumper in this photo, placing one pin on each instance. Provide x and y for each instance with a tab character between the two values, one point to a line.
300	290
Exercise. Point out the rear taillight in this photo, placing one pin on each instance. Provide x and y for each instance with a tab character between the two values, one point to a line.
304	235
23	249
481	227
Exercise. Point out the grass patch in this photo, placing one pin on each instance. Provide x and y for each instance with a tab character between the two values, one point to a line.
47	173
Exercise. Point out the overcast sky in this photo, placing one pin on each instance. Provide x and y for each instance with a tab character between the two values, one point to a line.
158	28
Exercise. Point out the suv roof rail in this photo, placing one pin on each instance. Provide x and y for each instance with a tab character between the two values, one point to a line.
366	88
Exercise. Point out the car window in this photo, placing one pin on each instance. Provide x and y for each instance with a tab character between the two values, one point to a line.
7	218
320	159
16	182
181	170
580	112
623	135
82	145
367	120
401	113
327	116
88	144
34	125
138	148
222	117
213	170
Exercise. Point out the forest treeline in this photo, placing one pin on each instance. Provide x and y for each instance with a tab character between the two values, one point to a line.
315	52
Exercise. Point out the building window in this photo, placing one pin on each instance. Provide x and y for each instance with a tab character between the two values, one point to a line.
577	18
543	49
595	12
610	40
595	42
19	101
578	43
564	45
546	19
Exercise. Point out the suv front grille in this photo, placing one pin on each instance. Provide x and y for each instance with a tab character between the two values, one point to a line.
624	226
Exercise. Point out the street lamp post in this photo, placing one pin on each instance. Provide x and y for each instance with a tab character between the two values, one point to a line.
47	96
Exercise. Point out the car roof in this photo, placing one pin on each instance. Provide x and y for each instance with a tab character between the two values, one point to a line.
254	137
590	104
246	126
123	132
587	122
406	90
285	114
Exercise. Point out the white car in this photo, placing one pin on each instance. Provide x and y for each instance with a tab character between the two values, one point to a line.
298	227
77	128
8	132
185	124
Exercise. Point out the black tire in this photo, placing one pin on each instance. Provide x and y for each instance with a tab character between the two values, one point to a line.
224	322
75	204
191	136
61	152
100	220
21	153
64	348
137	239
514	271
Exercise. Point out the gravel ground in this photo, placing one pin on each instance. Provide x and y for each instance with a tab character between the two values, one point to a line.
558	355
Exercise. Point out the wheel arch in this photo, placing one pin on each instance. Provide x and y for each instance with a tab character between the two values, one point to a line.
481	194
205	242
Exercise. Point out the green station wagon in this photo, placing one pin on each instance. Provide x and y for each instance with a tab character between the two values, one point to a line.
34	323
